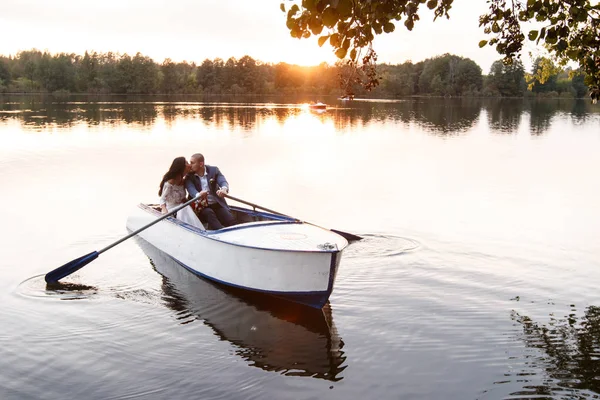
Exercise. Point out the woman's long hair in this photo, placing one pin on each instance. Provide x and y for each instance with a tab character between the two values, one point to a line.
177	169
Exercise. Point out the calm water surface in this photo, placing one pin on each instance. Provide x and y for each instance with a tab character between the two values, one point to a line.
477	279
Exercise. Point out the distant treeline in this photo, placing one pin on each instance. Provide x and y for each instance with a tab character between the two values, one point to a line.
111	73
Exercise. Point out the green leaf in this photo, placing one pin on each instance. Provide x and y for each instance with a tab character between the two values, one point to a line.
346	44
551	36
317	30
341	53
322	40
334	40
431	4
294	9
523	16
572	54
315	25
482	43
563	31
309	4
388	27
344	8
542	34
282	6
533	35
409	24
330	17
353	54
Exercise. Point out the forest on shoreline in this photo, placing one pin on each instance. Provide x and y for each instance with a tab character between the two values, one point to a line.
448	75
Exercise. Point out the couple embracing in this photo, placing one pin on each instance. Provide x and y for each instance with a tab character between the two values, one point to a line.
196	177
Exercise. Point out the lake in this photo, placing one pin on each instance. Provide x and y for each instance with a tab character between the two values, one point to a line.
477	277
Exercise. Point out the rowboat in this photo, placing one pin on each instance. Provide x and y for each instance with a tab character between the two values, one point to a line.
265	253
287	338
318	106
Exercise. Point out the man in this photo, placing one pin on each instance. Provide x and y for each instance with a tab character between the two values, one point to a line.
212	186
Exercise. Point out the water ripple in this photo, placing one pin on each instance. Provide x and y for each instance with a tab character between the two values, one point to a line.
36	287
381	245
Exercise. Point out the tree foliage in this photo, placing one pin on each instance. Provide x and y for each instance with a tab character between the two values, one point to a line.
4	72
350	27
450	75
446	75
544	75
569	31
506	80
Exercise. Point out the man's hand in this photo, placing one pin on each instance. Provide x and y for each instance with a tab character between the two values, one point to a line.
222	192
202	199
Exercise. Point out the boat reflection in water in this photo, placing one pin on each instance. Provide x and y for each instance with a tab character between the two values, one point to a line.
269	333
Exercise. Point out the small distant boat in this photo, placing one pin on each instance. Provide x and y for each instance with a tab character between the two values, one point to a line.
318	106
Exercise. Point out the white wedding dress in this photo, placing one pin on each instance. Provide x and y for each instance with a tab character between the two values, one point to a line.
173	196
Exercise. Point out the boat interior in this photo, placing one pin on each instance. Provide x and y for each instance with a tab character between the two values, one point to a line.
244	215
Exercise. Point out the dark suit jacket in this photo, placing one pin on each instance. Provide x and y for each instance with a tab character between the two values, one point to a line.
215	180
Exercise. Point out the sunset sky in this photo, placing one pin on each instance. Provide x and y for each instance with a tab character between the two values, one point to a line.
194	30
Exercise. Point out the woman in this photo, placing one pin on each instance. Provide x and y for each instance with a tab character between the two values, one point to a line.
172	192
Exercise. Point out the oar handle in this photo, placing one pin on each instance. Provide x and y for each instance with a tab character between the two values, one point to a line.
173	211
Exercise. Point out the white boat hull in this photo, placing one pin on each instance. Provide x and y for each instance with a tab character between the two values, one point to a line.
291	260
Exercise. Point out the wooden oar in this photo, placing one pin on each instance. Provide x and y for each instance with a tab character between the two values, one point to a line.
349	236
74	265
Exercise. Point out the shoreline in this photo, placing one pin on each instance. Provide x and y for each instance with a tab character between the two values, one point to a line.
250	95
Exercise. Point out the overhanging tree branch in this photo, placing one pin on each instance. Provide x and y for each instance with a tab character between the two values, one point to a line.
570	32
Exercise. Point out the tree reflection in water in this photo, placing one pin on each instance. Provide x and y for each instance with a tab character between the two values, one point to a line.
569	353
504	115
437	116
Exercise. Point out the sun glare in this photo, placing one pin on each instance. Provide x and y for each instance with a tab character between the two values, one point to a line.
301	53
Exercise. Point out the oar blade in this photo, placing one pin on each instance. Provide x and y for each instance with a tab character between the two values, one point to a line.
70	267
348	236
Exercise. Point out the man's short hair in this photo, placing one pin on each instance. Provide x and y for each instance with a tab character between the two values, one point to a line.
198	156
